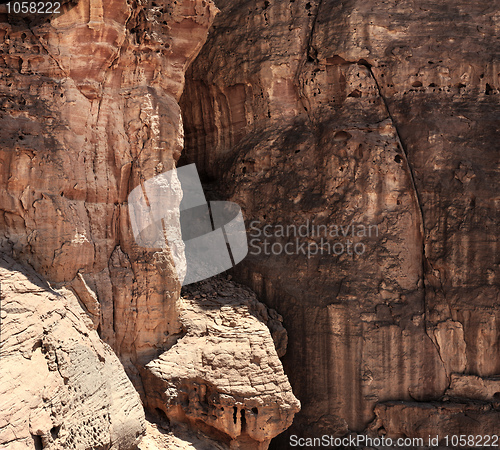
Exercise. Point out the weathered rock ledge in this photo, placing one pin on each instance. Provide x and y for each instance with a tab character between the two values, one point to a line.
224	375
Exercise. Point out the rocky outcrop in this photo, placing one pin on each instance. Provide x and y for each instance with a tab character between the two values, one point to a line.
424	420
224	375
179	437
62	387
360	113
88	113
475	388
359	139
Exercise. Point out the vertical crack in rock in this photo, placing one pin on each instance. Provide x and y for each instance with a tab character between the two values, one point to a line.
420	209
308	54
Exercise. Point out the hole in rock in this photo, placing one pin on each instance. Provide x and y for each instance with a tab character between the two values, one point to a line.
398	159
356	93
364	62
37	344
255	410
37	440
162	414
243	421
235	414
342	136
488	89
54	432
496	396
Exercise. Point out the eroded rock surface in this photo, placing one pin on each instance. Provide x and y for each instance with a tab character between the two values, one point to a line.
224	375
320	112
177	438
421	420
303	112
61	386
89	111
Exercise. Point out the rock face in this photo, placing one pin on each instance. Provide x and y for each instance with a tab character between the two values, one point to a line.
359	138
89	112
180	438
319	113
62	387
224	375
421	420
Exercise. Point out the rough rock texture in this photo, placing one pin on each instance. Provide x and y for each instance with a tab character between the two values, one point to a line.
324	112
421	420
362	112
179	437
473	387
224	375
88	112
62	387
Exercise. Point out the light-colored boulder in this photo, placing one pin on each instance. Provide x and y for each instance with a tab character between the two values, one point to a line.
61	386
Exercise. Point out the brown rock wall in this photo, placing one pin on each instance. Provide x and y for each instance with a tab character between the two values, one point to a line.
89	112
375	113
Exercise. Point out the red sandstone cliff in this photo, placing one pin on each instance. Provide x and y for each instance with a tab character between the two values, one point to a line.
89	111
304	112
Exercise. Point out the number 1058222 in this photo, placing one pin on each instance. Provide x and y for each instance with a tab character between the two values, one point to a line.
33	7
